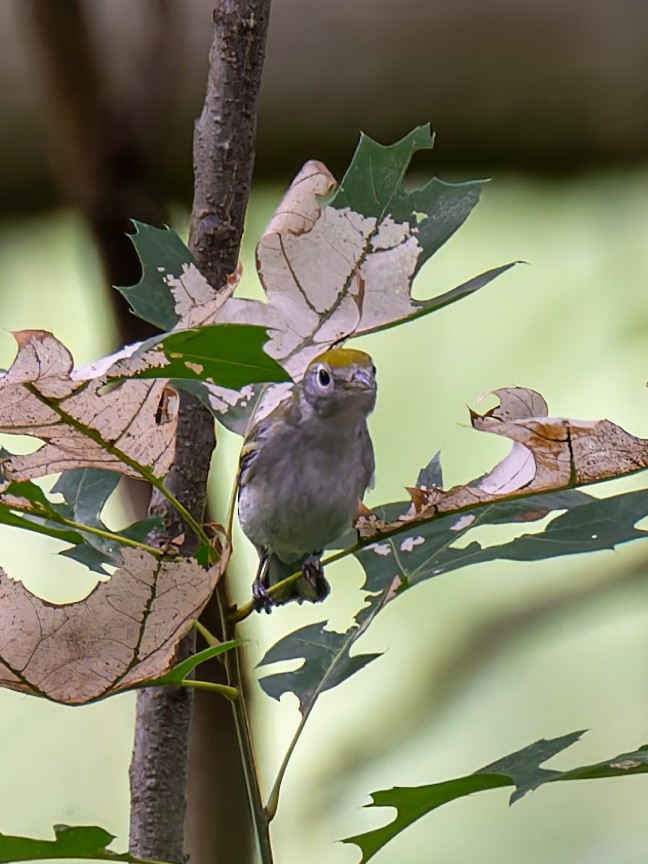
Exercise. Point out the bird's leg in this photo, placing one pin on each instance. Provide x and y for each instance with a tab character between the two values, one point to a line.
313	573
260	597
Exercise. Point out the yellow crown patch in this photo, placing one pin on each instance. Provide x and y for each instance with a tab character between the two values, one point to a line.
340	358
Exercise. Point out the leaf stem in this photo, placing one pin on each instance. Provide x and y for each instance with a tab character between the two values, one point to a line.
273	799
225	690
143	470
192	523
107	535
378	602
232	662
207	635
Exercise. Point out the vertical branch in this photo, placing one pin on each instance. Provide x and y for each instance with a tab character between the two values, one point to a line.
223	160
218	823
159	766
225	133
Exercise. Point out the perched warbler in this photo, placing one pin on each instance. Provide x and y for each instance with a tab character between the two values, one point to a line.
303	471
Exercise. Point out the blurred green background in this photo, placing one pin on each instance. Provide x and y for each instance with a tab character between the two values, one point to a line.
481	662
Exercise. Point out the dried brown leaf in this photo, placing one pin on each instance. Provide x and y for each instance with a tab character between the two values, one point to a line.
549	454
126	632
83	424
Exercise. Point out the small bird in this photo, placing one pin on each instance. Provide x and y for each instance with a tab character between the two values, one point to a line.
303	471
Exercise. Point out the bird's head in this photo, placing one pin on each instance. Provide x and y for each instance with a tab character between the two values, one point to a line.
341	381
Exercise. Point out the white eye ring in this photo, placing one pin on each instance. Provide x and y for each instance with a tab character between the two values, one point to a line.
324	378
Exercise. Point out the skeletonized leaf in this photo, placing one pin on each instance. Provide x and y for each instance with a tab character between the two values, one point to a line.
521	769
330	270
346	268
133	424
125	632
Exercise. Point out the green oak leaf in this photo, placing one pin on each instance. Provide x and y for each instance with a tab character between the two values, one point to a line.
162	254
228	355
71	841
85	492
326	660
426	550
373	186
521	770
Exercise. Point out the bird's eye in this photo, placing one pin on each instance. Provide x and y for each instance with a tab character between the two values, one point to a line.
323	377
373	371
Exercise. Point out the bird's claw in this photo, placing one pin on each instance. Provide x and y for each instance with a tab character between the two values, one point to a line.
261	599
313	573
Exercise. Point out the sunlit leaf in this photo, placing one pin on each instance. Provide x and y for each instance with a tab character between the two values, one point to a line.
81	425
549	454
346	267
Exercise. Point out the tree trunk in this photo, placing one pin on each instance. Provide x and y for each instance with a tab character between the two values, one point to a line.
223	159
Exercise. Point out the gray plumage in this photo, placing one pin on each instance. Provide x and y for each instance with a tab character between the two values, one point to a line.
305	468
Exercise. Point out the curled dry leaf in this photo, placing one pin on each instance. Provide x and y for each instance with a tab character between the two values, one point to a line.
81	426
125	632
548	454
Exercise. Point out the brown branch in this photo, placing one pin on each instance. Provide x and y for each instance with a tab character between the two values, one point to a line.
159	767
223	160
225	133
218	826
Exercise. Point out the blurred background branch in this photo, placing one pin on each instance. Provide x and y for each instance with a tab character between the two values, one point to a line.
545	86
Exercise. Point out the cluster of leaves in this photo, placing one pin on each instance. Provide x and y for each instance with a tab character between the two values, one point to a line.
335	262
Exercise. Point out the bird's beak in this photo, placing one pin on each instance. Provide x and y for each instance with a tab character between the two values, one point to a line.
361	380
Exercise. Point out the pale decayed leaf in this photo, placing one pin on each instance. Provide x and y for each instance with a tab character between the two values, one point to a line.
81	427
328	273
336	261
345	268
124	633
548	454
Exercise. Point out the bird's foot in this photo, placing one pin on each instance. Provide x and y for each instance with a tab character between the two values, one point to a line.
313	573
260	598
